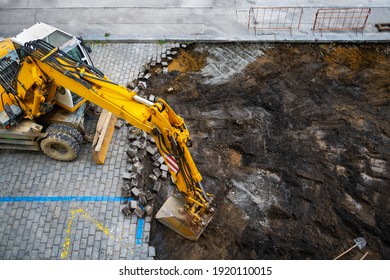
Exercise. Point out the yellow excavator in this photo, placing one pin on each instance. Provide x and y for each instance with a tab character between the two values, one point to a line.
33	75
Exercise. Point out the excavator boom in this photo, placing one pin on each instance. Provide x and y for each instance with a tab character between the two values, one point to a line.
187	213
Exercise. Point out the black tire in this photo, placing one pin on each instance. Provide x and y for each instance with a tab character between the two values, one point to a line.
59	127
60	146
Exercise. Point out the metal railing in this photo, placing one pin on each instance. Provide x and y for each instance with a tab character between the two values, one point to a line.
271	18
335	19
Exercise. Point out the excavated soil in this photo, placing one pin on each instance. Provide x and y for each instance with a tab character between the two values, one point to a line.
294	145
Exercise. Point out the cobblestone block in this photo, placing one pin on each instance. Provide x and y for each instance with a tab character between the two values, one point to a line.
135	192
156	172
149	210
152	251
139	212
156	187
129	176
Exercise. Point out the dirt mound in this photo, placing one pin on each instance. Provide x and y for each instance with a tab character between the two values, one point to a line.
188	62
296	149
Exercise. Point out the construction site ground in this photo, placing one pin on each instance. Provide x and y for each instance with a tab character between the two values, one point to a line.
293	141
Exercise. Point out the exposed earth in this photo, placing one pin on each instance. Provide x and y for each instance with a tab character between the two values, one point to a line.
293	140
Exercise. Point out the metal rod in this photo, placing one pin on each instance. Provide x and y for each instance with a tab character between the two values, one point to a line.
203	191
143	100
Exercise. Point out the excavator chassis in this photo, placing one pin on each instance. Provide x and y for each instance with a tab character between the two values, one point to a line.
173	215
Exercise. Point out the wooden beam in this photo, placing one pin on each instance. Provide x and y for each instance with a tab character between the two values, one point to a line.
104	132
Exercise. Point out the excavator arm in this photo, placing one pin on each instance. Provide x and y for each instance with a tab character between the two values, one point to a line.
188	213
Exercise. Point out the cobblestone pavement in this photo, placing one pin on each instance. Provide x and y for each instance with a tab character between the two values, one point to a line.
56	210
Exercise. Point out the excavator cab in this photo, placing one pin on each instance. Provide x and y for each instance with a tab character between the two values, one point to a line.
71	45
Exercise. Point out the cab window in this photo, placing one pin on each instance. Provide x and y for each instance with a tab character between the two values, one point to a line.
57	38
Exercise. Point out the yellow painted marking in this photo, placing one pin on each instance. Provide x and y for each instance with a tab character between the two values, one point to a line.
66	246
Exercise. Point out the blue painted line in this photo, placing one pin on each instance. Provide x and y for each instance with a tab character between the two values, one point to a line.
140	231
61	198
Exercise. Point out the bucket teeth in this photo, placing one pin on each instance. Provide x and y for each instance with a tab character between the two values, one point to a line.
173	215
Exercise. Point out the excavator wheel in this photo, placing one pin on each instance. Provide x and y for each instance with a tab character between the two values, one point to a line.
60	146
59	127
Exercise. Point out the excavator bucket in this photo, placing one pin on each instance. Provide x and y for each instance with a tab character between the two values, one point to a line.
173	215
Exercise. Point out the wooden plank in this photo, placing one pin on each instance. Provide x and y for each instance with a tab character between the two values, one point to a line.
104	132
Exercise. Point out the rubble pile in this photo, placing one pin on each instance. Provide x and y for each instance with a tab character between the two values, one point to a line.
159	64
146	172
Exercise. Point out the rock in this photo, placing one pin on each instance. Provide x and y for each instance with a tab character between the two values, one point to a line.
170	89
134	182
139	212
160	160
131	85
164	175
131	152
126	211
139	170
132	136
140	144
152	251
157	172
126	191
165	70
149	210
163	167
151	139
135	192
142	199
146	67
141	94
137	164
142	85
156	187
131	168
147	76
153	177
156	157
129	176
132	205
148	196
151	150
152	98
119	123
